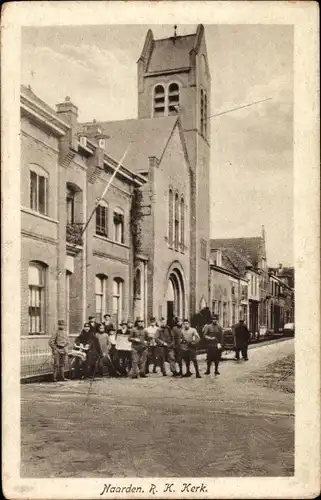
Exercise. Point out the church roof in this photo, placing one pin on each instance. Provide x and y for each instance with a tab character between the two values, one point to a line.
248	248
171	53
148	138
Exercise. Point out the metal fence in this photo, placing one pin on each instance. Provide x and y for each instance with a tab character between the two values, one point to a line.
36	357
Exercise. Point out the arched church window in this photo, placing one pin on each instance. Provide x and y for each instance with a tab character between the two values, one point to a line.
182	224
205	114
173	98
137	284
176	222
170	218
159	100
202	111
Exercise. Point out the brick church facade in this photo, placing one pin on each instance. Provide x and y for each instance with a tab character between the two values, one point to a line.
65	166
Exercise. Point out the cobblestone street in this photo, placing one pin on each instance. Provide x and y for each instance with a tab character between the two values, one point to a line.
238	424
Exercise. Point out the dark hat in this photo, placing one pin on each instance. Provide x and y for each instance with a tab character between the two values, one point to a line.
86	324
162	319
91	317
139	320
186	319
123	322
152	318
214	316
107	314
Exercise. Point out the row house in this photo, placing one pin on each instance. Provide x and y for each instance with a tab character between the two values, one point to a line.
281	298
234	287
225	257
68	273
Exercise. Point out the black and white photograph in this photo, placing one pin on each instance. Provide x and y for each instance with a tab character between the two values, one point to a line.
158	317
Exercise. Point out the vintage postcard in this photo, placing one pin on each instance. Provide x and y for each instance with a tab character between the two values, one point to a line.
161	264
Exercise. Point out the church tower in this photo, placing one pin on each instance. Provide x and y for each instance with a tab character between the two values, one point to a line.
174	79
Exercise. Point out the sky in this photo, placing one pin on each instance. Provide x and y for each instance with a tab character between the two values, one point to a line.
251	149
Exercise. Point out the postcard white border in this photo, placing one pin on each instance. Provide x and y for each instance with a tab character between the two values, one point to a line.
304	17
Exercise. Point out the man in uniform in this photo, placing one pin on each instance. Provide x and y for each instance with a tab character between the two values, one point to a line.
189	339
165	347
241	340
88	336
152	351
177	336
59	346
213	335
138	338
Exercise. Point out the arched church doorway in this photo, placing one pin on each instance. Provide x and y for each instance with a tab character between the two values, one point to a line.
175	296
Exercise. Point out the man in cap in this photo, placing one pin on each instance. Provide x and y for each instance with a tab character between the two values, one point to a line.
93	324
241	340
122	356
213	335
189	339
165	347
59	346
138	338
88	337
152	351
109	327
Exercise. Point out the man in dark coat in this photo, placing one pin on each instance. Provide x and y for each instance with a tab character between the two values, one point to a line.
88	336
241	340
165	347
108	325
177	335
213	335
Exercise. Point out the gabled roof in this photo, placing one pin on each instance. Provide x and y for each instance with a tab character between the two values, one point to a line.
171	53
148	138
235	261
248	248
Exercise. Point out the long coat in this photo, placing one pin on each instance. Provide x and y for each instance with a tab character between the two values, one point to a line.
241	335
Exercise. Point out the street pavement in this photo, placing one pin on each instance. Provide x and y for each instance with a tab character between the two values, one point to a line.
240	423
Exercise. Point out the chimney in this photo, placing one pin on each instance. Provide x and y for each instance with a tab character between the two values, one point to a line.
68	112
263	233
280	267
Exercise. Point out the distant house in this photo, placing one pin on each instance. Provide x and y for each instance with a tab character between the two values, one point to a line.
251	253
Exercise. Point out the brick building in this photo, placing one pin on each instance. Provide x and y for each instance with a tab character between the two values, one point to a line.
64	275
249	255
170	148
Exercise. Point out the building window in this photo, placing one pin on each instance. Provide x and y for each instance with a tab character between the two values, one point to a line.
203	249
217	258
68	278
37	305
118	220
100	294
233	314
39	190
102	219
176	222
159	100
70	200
118	299
182	225
225	315
173	98
137	284
203	112
219	310
170	218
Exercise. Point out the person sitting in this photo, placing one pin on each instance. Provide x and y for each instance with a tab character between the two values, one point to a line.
88	336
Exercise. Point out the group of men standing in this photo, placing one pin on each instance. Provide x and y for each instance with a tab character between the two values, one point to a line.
152	345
